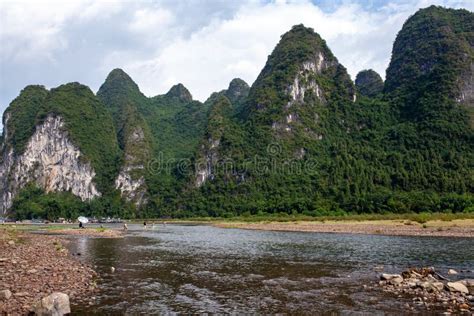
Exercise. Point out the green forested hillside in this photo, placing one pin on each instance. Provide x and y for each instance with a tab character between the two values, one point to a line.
365	156
302	139
369	83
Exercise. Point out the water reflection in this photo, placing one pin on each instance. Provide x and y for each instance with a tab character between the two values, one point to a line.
205	269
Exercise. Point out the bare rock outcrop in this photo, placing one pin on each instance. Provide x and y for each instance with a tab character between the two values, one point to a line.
50	160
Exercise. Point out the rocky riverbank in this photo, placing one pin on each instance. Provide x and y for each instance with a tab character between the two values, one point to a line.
34	266
431	291
92	232
455	228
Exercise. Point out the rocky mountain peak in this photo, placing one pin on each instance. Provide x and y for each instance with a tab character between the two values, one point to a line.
432	42
238	90
301	70
369	83
180	92
118	79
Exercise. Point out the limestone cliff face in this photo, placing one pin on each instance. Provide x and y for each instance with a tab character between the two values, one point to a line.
303	85
305	80
50	160
130	180
209	156
466	83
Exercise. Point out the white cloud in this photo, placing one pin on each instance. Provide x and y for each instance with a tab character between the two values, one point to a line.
150	20
34	30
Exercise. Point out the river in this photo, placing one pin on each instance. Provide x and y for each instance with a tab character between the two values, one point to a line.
199	268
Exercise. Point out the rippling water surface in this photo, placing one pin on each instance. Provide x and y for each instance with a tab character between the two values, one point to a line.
192	269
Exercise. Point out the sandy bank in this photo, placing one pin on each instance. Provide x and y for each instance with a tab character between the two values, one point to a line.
92	232
454	228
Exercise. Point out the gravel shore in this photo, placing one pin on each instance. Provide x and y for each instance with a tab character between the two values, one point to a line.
455	228
92	232
33	266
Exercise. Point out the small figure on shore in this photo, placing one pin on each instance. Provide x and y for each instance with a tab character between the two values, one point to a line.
125	226
144	224
80	225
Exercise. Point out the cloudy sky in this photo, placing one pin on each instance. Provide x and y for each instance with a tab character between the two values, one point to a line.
203	44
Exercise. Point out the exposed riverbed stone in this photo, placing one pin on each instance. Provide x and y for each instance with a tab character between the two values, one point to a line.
457	287
5	295
56	304
38	266
388	277
430	289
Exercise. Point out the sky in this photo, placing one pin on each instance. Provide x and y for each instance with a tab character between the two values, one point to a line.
203	44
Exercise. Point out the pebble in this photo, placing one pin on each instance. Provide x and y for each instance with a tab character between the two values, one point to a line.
5	295
34	268
428	289
464	306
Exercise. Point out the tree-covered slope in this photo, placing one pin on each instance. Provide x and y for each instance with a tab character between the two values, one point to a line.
309	145
155	134
431	69
369	83
303	138
20	118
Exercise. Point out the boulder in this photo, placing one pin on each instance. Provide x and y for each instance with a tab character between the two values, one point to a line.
396	280
438	285
388	277
469	283
5	295
452	271
457	287
56	304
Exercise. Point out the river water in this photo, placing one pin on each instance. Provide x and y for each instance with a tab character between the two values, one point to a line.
199	268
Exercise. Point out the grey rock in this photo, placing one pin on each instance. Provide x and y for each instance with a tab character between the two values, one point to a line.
50	160
396	280
5	295
457	287
388	277
438	285
56	304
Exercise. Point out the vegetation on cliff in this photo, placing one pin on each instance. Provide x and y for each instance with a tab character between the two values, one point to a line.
300	140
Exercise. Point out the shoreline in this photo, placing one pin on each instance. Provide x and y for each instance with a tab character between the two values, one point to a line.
36	265
454	228
91	232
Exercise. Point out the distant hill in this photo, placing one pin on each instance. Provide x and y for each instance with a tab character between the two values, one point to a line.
304	138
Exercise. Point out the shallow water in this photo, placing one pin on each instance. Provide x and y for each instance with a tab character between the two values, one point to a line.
193	269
